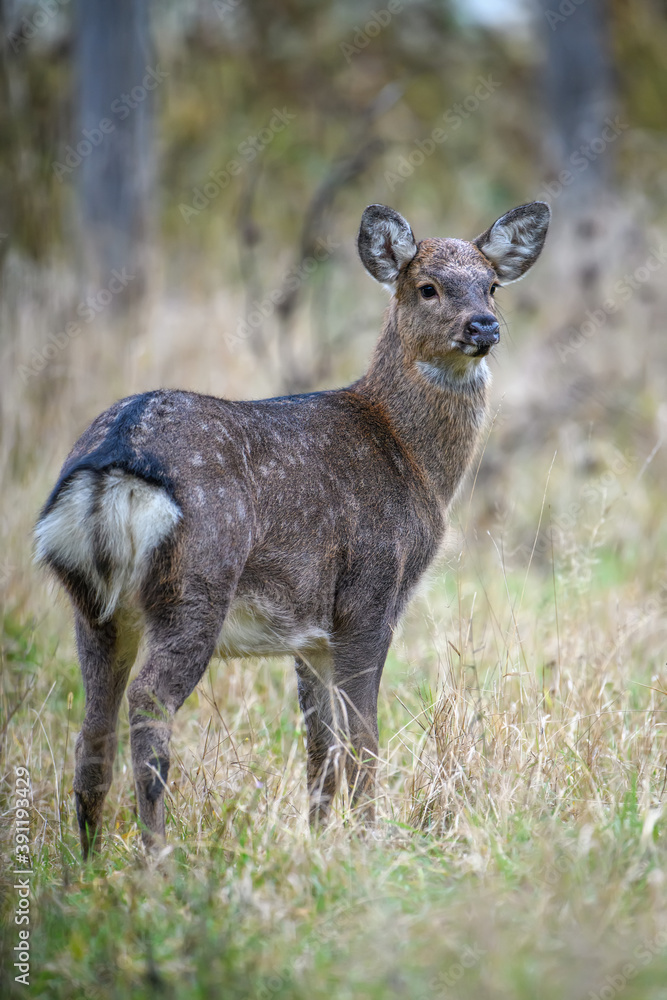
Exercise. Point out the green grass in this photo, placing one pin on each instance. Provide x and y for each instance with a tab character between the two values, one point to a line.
536	909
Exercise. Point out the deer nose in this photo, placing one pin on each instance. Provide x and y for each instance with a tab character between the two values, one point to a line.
483	329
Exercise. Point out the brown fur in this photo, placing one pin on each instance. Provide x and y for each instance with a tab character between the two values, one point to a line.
312	517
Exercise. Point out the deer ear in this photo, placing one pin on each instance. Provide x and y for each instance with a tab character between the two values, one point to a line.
386	243
514	242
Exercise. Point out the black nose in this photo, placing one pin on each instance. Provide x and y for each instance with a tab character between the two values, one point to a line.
483	329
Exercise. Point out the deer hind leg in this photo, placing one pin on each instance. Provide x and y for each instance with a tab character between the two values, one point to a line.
181	642
106	654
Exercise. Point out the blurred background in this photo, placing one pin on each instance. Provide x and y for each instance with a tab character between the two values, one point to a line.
181	185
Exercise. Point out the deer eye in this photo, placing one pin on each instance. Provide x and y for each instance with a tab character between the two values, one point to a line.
492	289
428	291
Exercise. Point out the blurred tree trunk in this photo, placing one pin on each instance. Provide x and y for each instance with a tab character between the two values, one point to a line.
116	177
579	98
6	136
579	93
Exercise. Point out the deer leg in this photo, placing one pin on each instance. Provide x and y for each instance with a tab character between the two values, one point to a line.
360	651
360	695
106	654
361	759
323	745
340	709
181	642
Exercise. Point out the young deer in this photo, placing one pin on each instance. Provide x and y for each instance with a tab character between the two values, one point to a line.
292	525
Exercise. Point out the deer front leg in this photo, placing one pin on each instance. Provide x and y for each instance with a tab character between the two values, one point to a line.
338	699
361	760
325	763
359	659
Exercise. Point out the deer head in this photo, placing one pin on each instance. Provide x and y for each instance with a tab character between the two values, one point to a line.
444	288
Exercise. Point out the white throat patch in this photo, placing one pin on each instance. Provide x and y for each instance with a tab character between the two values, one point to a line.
465	371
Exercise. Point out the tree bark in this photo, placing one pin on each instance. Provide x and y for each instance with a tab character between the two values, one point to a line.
116	176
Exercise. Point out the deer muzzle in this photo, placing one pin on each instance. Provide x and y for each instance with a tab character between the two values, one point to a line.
482	332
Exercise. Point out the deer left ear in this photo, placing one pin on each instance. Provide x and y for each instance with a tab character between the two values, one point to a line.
514	242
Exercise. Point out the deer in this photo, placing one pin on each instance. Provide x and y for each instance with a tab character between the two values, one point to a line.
298	525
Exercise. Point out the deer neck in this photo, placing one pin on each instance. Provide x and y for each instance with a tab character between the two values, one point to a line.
435	411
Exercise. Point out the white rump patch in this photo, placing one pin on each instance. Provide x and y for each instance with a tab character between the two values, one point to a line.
114	517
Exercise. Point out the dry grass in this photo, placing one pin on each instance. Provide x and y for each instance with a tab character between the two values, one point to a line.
520	847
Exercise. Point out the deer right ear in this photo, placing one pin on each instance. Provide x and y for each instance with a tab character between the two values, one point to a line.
386	243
